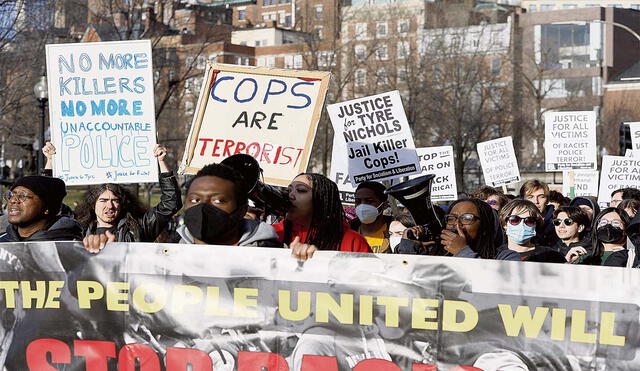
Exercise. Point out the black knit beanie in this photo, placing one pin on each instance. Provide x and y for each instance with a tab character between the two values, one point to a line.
50	190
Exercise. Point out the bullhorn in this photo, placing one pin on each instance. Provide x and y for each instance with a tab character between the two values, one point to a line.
276	202
415	195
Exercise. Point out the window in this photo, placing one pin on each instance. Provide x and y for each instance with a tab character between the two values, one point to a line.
271	62
635	6
403	26
361	77
269	17
569	6
281	18
533	8
402	75
287	20
382	52
360	51
615	5
318	12
381	29
361	30
326	59
261	62
268	2
189	62
545	7
403	49
285	1
242	14
297	62
202	62
383	78
288	61
496	66
318	32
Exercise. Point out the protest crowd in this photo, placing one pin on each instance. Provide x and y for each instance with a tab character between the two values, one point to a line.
535	225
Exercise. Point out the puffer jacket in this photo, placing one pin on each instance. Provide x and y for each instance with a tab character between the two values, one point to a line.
150	225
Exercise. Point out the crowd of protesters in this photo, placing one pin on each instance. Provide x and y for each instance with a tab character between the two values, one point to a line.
537	224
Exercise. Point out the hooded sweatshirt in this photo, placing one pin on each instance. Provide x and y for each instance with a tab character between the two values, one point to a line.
61	228
254	233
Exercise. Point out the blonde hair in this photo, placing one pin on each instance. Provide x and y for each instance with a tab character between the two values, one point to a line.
531	186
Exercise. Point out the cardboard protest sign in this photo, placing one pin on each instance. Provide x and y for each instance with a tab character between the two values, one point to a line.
377	135
269	114
439	161
339	172
102	113
570	140
617	172
634	129
498	161
585	183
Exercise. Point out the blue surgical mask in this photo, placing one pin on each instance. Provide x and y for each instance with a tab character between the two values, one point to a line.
520	233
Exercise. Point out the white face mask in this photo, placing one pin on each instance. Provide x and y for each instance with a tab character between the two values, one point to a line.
367	213
394	241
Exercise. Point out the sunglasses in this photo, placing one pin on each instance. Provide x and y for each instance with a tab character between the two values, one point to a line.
567	222
492	202
515	220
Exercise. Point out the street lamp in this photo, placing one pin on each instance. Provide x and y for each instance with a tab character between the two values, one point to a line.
42	95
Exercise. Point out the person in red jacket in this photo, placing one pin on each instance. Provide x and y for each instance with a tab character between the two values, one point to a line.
316	220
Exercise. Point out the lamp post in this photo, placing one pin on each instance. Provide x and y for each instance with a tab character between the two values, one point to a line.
42	95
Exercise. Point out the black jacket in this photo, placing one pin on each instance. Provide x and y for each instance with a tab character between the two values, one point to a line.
60	229
150	225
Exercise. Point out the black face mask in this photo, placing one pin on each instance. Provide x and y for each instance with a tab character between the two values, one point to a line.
207	222
610	234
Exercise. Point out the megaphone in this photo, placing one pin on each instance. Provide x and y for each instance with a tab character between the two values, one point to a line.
276	202
415	195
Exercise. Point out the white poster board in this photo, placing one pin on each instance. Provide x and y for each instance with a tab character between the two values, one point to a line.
634	129
269	114
585	183
498	161
617	172
439	161
570	141
377	135
101	111
339	172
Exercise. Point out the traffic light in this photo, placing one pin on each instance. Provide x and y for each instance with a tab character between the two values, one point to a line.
625	138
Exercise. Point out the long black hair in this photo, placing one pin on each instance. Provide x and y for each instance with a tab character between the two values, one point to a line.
598	248
130	206
485	245
327	220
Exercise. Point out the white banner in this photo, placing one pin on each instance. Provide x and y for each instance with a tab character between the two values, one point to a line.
498	161
617	172
585	183
570	141
439	161
634	129
101	110
377	136
339	172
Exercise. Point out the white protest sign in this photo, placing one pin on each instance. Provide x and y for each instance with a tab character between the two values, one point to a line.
269	114
378	138
101	110
498	161
585	184
439	161
340	170
634	129
617	172
570	140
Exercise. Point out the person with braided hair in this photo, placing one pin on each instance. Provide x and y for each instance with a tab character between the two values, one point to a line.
316	219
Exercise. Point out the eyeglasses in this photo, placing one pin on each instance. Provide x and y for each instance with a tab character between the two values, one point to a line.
515	220
20	196
613	222
567	222
492	202
464	219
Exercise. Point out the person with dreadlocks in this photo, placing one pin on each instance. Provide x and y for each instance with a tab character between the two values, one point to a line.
316	219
